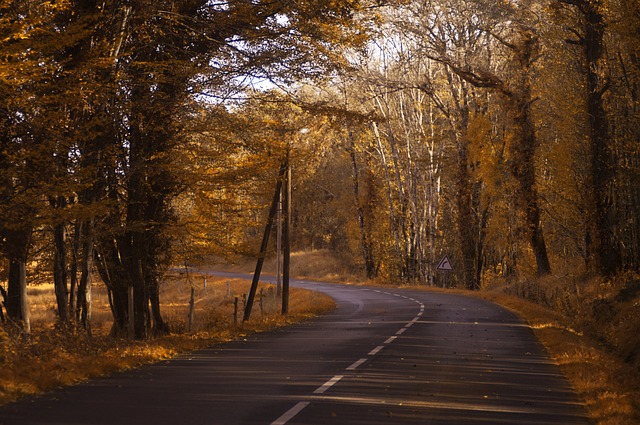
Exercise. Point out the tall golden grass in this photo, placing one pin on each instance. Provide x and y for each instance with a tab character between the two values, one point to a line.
322	264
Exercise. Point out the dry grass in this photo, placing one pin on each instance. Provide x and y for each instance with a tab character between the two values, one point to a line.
51	357
323	265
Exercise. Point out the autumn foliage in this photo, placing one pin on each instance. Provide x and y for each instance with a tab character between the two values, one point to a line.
137	136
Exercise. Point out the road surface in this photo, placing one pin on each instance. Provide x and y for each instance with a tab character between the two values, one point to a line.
384	356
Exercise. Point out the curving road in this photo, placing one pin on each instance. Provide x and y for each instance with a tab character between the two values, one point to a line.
384	356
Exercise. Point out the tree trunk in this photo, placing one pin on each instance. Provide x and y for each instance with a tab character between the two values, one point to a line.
17	299
524	153
17	304
116	279
367	249
83	314
159	325
73	269
605	254
466	220
60	276
523	169
119	303
286	236
393	225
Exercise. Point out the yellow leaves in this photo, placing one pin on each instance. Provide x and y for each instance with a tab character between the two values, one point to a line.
486	151
55	5
7	348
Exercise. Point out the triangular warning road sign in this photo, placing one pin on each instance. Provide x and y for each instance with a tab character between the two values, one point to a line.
445	264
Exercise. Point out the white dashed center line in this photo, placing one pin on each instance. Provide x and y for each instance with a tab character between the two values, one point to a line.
291	413
330	383
356	364
375	350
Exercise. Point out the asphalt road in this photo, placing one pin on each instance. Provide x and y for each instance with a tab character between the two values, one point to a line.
384	356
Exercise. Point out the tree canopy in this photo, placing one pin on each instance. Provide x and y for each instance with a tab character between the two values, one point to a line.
136	135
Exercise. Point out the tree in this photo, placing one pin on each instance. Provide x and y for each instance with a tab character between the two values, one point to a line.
624	107
602	35
602	253
467	51
126	76
169	57
24	144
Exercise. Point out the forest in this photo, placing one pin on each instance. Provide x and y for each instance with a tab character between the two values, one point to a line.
137	136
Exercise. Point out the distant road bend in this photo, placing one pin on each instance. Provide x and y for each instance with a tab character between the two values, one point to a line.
384	356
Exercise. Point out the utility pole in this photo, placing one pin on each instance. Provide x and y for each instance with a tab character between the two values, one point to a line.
286	236
265	242
279	249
